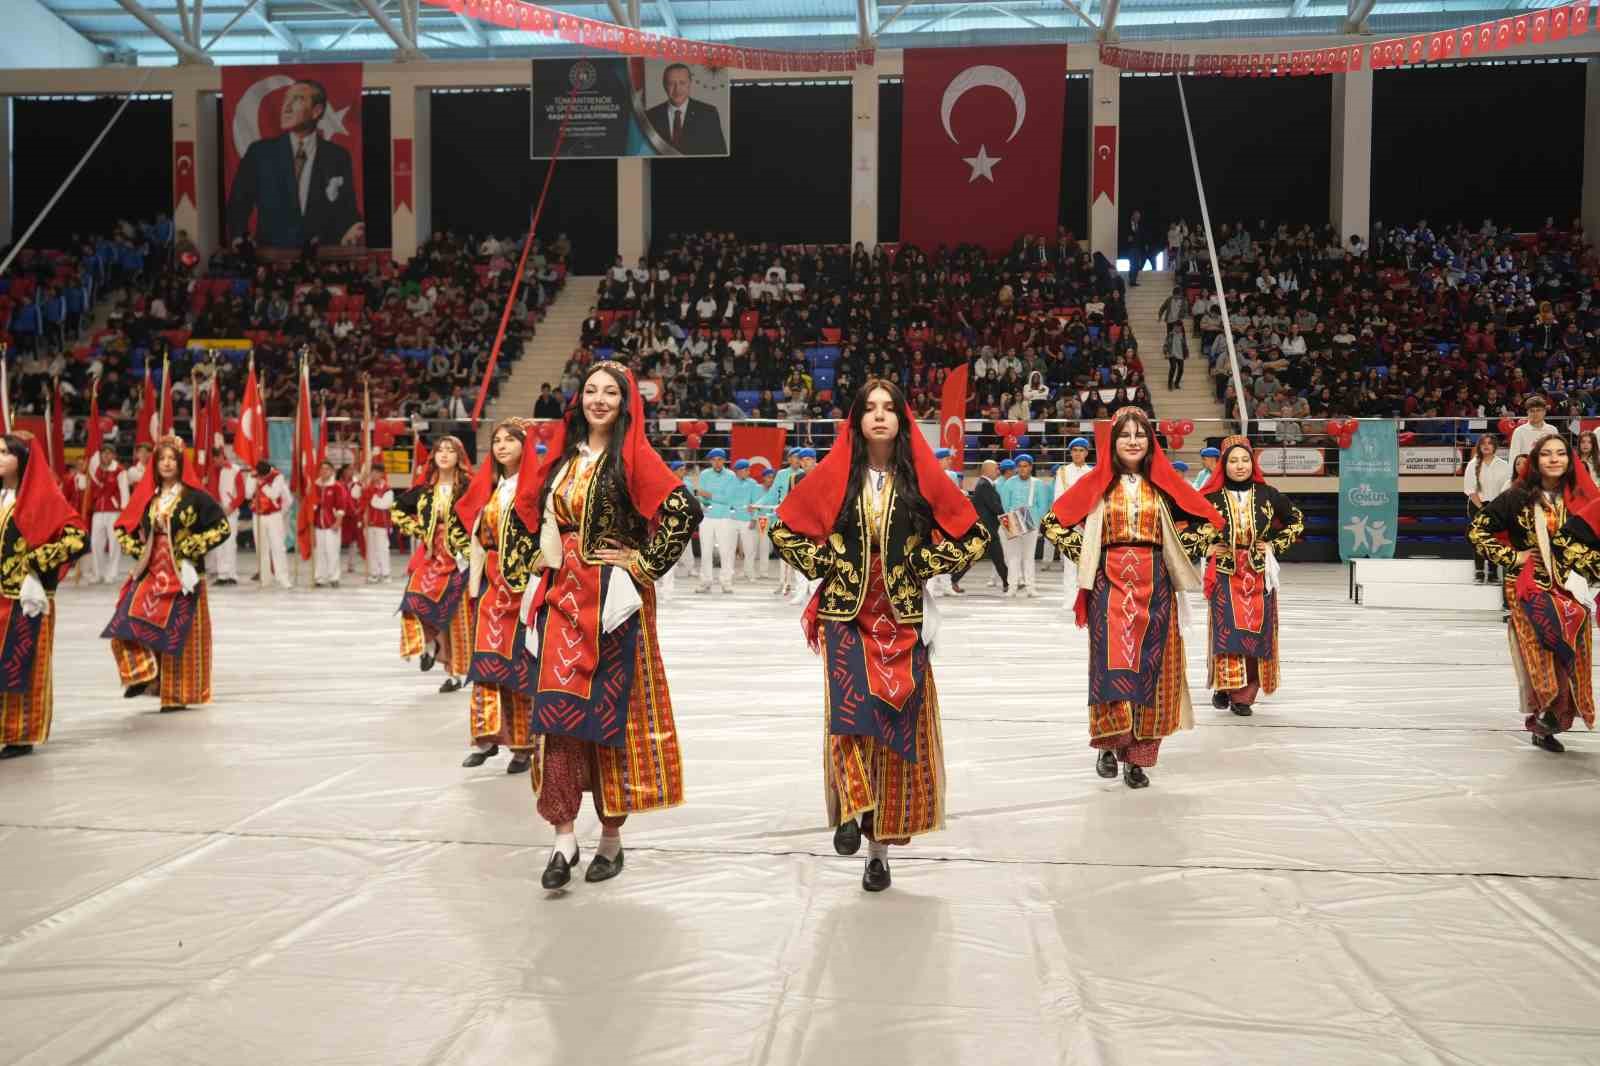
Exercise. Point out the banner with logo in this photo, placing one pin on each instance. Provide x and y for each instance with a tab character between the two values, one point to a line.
1294	462
1426	459
292	154
1369	491
628	107
981	145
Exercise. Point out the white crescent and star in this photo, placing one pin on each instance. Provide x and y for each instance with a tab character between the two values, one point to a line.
247	116
983	163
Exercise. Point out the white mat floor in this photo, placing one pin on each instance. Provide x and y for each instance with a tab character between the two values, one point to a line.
1376	868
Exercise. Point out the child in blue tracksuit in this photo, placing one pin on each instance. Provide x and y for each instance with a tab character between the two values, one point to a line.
1034	493
719	531
747	495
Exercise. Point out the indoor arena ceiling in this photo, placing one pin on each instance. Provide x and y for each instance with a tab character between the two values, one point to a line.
267	31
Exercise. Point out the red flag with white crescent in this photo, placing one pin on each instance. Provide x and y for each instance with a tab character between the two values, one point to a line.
183	187
147	421
981	144
1105	164
249	437
953	414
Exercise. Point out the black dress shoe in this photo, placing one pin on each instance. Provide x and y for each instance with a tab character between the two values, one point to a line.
477	756
1550	744
1134	776
847	838
602	868
519	763
1547	721
1243	710
135	690
1220	700
450	685
1106	764
875	878
427	661
15	751
559	870
168	708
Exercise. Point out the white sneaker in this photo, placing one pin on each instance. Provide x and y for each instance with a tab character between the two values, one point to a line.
1032	595
992	583
701	590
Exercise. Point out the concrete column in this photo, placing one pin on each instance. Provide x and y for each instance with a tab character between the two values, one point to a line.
1105	110
410	121
1350	183
194	121
864	156
633	209
5	170
1591	153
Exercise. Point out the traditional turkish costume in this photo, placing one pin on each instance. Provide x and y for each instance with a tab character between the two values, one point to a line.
41	534
431	610
1132	577
602	713
162	625
1241	581
873	624
1549	627
502	559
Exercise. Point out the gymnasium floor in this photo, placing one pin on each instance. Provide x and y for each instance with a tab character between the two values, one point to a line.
1376	868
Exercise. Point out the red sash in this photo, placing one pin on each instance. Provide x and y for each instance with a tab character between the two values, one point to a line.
1131	574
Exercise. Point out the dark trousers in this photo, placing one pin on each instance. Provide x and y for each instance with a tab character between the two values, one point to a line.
1137	258
1174	372
997	555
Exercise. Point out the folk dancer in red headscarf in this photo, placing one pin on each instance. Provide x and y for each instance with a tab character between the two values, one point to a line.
1241	583
1542	533
434	623
612	519
502	559
40	536
1132	576
161	628
874	523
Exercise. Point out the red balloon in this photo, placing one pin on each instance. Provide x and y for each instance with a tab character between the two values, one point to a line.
1345	440
545	430
1167	427
1185	428
1333	427
230	425
1508	426
1010	441
1406	437
692	440
1175	442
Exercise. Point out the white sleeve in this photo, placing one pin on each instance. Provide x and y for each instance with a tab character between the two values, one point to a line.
382	503
122	486
1469	480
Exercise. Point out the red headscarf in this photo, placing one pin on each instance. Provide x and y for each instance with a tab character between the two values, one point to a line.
650	481
1219	476
483	483
1074	505
813	506
40	511
140	499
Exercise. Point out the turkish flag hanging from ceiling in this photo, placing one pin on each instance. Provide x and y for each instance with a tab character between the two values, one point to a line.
981	144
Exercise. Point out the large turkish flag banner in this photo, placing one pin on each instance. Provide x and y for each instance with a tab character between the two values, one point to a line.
981	145
759	444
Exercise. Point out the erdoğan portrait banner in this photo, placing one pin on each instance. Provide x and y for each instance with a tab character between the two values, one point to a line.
981	144
292	154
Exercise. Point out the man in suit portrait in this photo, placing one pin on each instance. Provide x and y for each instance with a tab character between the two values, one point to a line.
301	187
691	126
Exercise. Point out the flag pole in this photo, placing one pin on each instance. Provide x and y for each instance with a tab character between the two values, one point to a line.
5	391
366	468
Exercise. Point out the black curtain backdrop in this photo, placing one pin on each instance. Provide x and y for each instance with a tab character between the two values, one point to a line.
788	178
483	180
1264	145
1074	212
378	190
1466	143
129	176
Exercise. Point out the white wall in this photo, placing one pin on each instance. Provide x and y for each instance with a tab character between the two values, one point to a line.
35	37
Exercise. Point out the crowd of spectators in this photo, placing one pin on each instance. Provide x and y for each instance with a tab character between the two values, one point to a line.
421	332
733	328
1422	322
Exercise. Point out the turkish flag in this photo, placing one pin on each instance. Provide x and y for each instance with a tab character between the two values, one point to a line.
1105	164
1486	41
250	439
759	444
953	413
1558	24
981	144
183	173
1579	20
1469	42
402	173
1540	28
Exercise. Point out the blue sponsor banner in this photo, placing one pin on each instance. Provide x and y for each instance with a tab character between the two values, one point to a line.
1369	491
